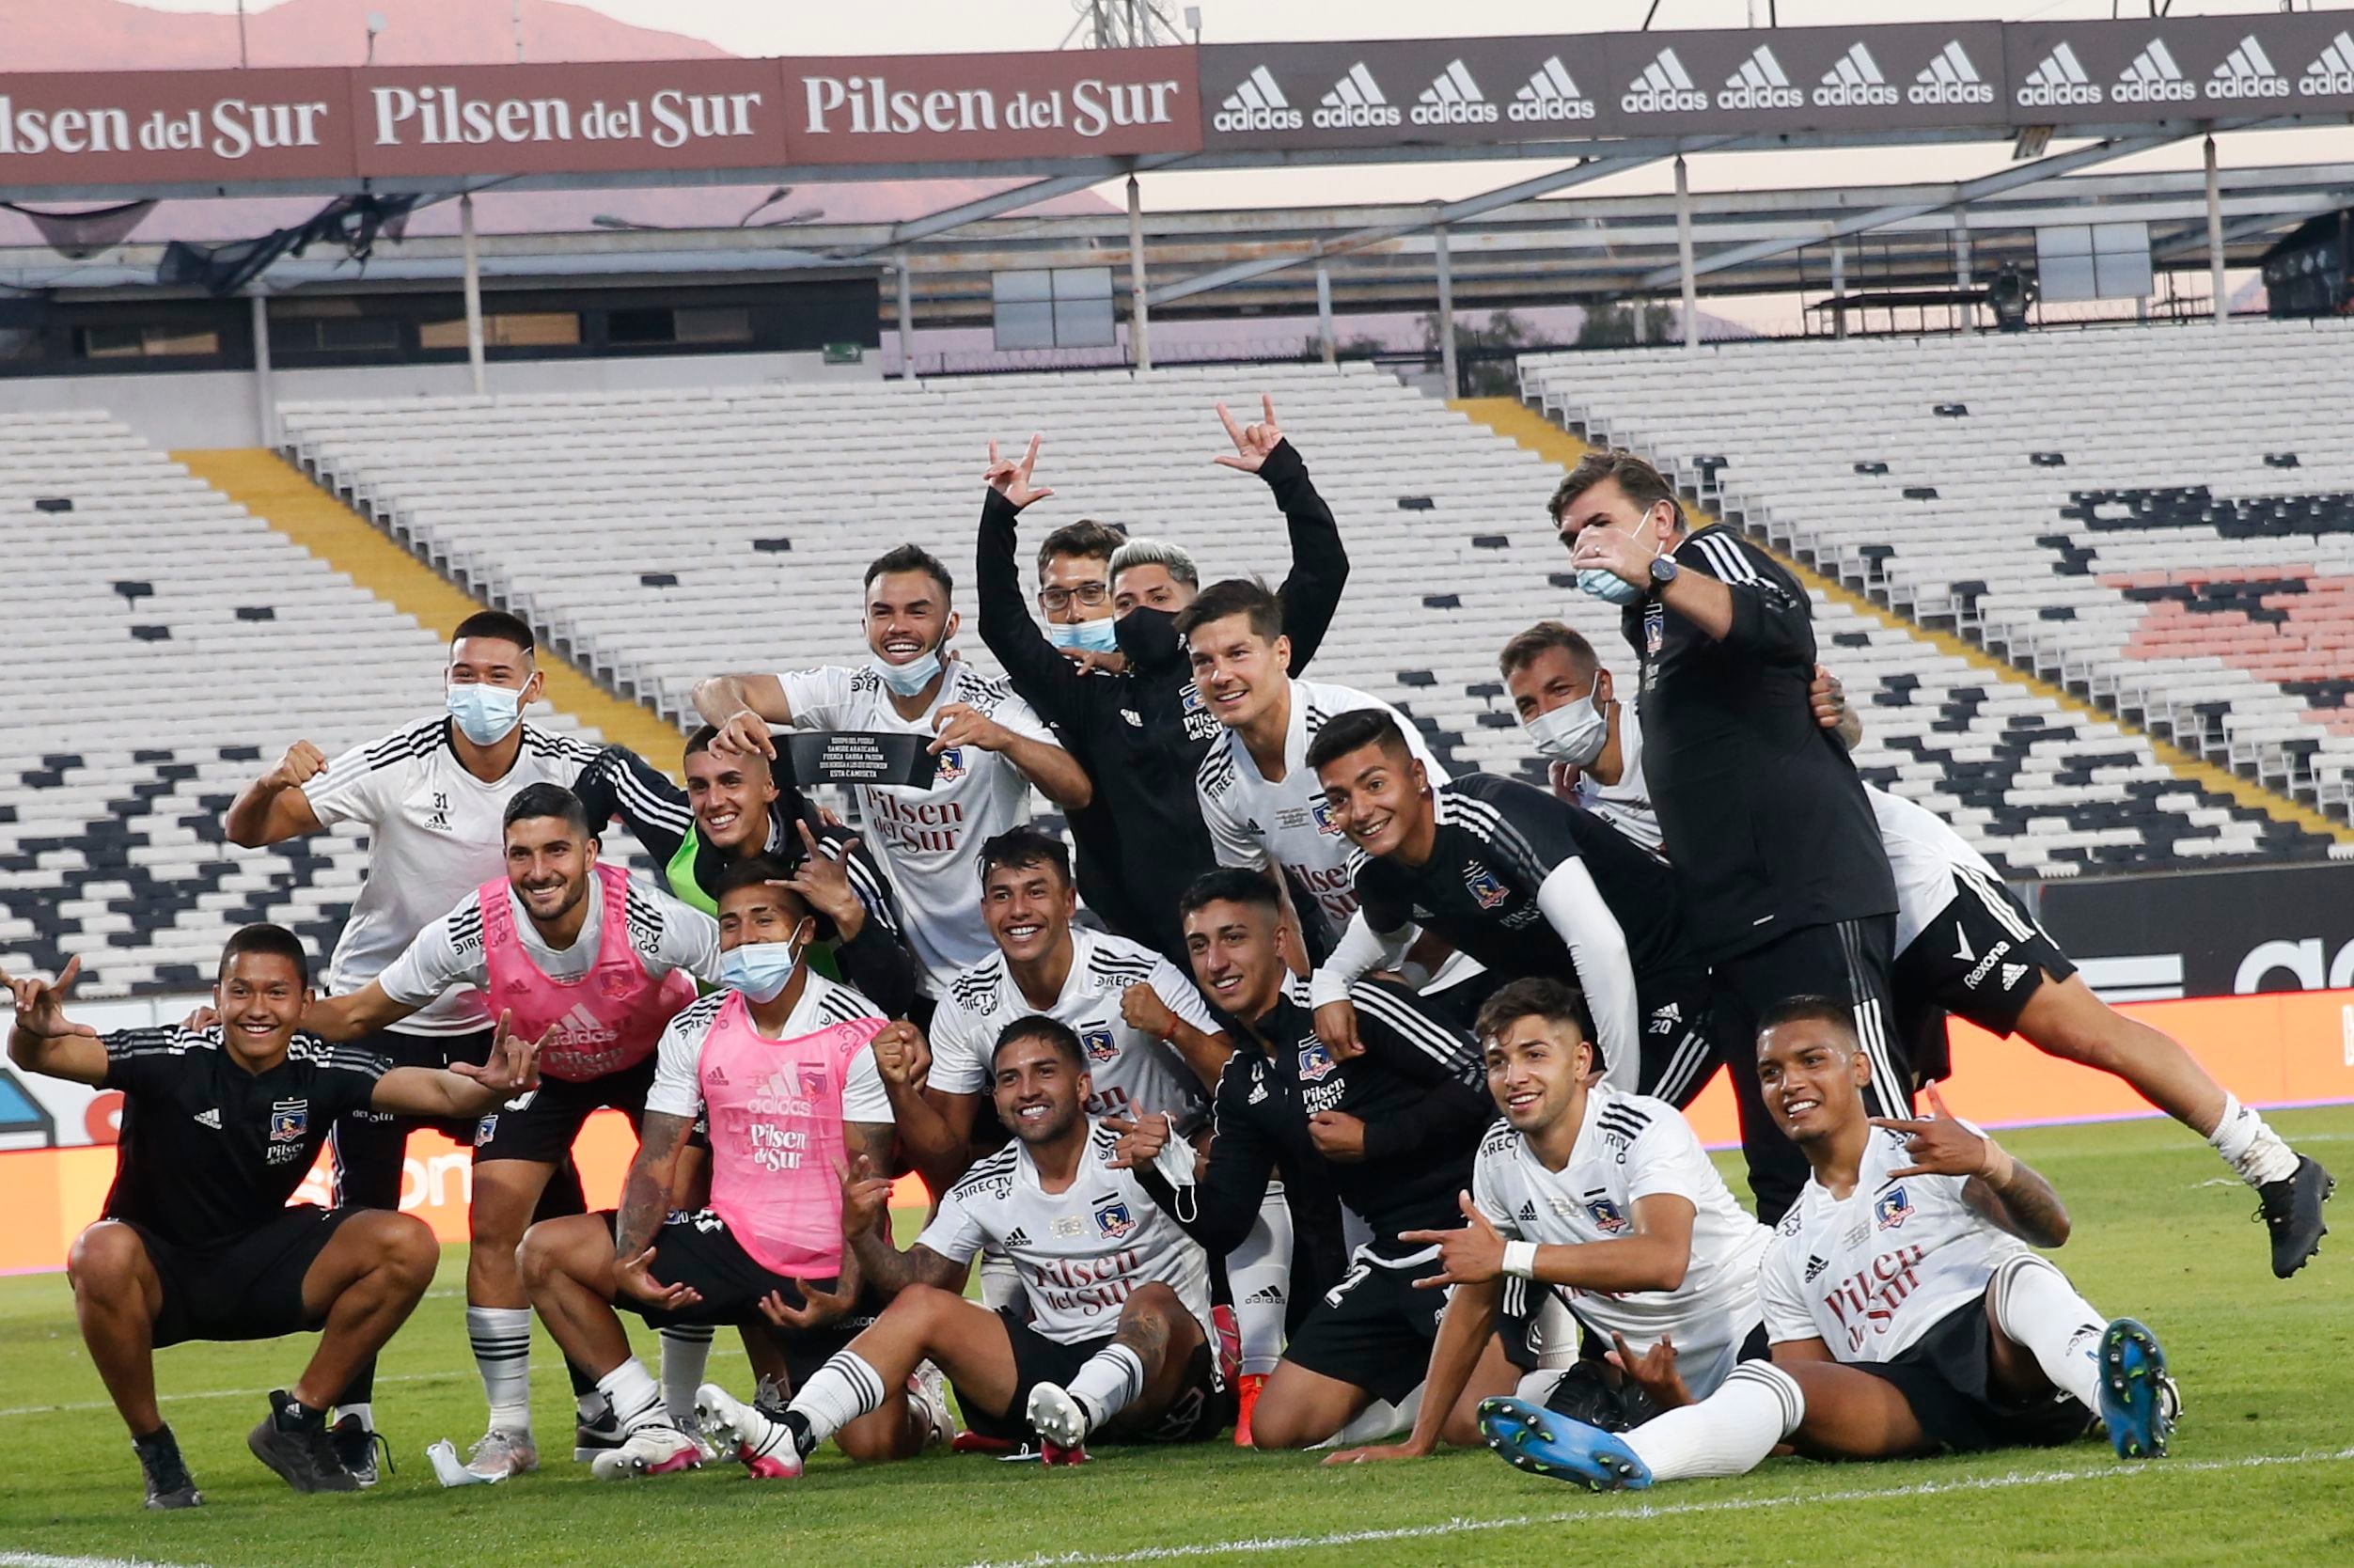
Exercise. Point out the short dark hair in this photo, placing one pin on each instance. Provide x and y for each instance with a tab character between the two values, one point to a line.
1537	996
275	941
1086	540
1243	596
1020	848
750	871
1229	884
1359	727
1810	1007
1637	479
912	557
498	624
547	800
1529	646
1037	1026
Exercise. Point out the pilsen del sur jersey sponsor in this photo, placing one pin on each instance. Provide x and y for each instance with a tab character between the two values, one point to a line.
1091	1286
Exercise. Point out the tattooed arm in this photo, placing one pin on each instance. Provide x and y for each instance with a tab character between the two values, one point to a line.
646	1191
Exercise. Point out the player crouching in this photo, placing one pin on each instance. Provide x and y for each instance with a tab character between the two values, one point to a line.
1115	1341
219	1126
1906	1313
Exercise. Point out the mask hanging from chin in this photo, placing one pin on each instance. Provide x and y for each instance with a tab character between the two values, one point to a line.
909	679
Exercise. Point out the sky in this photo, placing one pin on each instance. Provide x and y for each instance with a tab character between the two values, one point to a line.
799	26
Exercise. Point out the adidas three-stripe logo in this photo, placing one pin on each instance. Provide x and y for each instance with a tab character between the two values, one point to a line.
1760	83
1550	94
2332	71
1950	78
2059	79
1665	87
2152	77
2246	72
1452	99
1256	104
1854	82
1354	101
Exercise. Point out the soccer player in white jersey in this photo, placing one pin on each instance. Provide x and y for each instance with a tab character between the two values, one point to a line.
1604	1200
990	745
1592	742
786	1070
1114	1338
430	796
600	962
1264	808
1906	1313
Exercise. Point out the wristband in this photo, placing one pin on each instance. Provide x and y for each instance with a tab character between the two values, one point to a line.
1997	1166
1520	1259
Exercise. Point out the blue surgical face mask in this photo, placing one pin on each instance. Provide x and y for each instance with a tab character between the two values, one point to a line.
1096	636
759	969
910	679
485	714
1608	586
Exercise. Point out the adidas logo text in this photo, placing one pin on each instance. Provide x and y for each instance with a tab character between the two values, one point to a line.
1266	1295
1355	101
2332	71
1016	1237
1951	78
1665	87
2059	80
2153	78
2246	72
1452	99
1550	94
1257	104
1760	83
1855	82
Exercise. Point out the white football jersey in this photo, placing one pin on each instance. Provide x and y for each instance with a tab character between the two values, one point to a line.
1632	1147
1255	823
1868	1275
1626	805
434	835
1924	854
1129	1068
664	934
1080	1253
927	841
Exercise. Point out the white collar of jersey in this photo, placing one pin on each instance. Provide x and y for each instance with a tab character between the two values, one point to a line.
1599	1097
804	1019
1025	1168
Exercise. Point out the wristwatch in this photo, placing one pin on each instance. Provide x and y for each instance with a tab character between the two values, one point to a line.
1663	571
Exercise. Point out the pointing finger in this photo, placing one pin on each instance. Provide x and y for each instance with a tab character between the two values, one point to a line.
1030	457
993	454
1937	1103
1232	428
1267	404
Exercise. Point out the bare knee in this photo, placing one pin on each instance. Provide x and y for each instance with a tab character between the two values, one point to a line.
107	1262
1283	1424
1153	1301
539	1256
870	1440
924	1303
412	1251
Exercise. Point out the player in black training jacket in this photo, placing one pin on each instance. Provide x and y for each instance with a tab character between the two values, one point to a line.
219	1126
1786	890
736	806
1391	1131
1141	733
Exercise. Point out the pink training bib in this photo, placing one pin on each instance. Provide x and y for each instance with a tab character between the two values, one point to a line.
611	1018
775	1108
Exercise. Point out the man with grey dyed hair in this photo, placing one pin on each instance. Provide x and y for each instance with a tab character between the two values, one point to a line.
1140	730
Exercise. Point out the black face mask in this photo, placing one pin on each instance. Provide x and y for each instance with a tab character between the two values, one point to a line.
1149	638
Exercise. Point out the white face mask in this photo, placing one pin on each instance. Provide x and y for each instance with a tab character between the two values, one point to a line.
1574	733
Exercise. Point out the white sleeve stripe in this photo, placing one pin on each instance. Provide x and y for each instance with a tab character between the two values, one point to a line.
1730	564
653	807
1419	1031
1493	828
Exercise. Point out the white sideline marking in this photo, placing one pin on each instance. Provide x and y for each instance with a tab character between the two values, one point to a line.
42	1559
718	1353
1604	1515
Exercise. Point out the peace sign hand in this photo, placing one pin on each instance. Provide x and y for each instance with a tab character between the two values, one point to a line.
1253	443
1471	1256
1012	480
1939	1143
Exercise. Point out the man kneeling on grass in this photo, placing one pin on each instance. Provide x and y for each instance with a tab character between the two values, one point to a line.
219	1126
1115	1336
1906	1314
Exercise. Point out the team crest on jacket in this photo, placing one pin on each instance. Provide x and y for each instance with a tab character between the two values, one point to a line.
949	767
1191	698
1892	1209
1606	1214
1315	1062
1114	1221
1654	627
1483	886
1098	1044
1322	811
289	1120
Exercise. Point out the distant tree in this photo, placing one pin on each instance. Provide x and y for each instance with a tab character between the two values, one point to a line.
1486	352
1612	325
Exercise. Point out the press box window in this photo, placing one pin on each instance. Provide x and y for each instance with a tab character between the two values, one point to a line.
2092	261
536	329
143	342
1062	308
694	325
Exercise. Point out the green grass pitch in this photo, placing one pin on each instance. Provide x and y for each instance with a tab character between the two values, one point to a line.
2263	1467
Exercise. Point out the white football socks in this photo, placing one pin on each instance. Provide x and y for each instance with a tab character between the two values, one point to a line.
1107	1384
501	1336
1259	1273
2249	1147
636	1401
685	1353
2035	1305
837	1394
1728	1433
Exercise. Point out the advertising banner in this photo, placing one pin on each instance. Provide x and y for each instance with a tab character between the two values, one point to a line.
1407	92
2207	933
1808	78
2180	67
962	108
175	126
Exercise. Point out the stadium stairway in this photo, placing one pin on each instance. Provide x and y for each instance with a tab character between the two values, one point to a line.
270	489
1521	423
